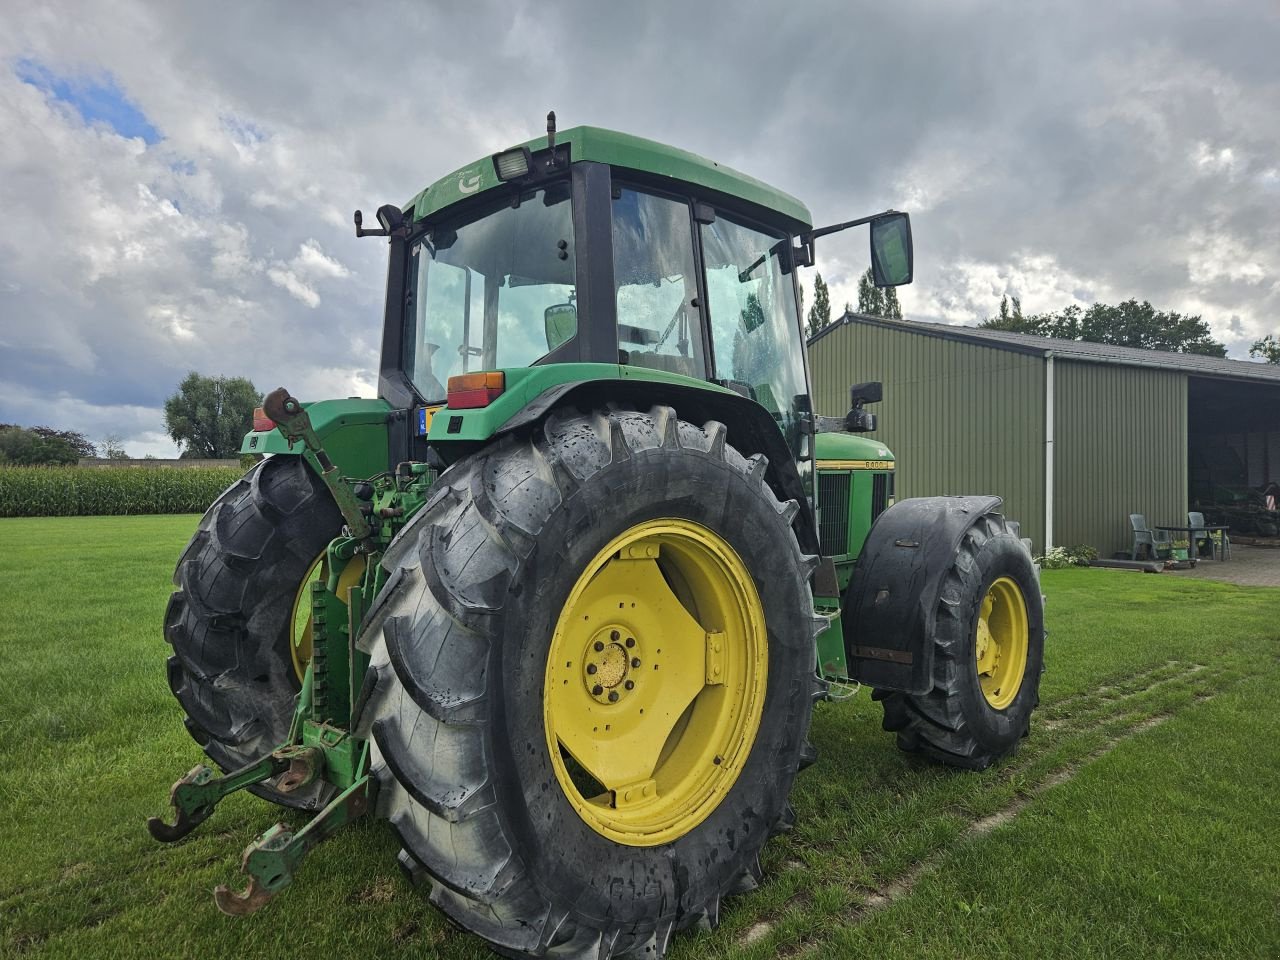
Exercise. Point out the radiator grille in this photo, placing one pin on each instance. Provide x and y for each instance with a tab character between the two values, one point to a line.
879	494
833	511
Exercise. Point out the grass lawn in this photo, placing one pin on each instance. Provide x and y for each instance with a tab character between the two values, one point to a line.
1141	819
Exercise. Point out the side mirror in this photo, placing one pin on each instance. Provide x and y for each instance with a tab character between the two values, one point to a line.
858	420
560	320
891	255
861	393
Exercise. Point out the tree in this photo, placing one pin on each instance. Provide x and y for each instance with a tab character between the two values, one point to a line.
1267	349
870	297
877	301
209	416
112	447
820	312
1129	324
32	446
892	308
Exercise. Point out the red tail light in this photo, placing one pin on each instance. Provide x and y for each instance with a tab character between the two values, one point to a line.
470	390
261	421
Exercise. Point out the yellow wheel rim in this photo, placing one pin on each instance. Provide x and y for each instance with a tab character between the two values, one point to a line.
300	643
655	682
1000	647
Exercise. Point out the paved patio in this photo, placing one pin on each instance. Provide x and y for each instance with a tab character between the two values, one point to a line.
1248	566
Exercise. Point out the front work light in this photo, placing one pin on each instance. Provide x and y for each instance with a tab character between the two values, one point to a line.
470	390
512	164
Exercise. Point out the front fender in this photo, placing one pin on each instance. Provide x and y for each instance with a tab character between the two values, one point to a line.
353	431
891	605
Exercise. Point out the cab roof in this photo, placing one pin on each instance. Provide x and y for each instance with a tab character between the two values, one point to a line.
623	151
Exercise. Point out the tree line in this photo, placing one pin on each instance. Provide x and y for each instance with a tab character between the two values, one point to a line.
207	418
1128	324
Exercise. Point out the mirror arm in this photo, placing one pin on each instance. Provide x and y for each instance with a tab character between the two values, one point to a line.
806	239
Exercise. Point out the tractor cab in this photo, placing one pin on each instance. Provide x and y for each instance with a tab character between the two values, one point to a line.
594	247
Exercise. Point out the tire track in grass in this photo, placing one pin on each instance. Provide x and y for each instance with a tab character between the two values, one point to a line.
1118	710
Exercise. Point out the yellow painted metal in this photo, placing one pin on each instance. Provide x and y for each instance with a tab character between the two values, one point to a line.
1002	641
855	464
300	618
645	737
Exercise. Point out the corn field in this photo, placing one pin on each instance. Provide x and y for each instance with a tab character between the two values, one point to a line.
89	491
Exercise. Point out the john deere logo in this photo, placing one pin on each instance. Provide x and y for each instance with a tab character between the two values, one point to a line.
469	184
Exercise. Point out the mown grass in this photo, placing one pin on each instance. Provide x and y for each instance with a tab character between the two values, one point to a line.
1130	839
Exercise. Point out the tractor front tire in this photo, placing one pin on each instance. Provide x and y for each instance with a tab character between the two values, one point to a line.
548	615
988	654
230	620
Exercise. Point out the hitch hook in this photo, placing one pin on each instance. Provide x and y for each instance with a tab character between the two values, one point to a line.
195	795
273	859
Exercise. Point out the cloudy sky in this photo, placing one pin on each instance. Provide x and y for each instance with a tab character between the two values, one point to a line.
177	180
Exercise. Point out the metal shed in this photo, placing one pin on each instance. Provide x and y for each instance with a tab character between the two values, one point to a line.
1075	436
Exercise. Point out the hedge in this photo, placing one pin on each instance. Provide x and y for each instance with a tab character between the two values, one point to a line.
92	491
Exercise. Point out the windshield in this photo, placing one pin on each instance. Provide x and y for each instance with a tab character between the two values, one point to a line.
497	291
754	328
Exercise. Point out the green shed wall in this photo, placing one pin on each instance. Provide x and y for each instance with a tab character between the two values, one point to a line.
1120	447
960	418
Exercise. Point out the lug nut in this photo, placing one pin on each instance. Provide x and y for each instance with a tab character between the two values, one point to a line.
613	696
635	661
597	690
631	641
591	668
598	646
630	684
614	635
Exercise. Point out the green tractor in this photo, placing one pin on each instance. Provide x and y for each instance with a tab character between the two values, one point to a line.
559	603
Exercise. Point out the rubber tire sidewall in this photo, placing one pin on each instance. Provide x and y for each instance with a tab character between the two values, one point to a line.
998	731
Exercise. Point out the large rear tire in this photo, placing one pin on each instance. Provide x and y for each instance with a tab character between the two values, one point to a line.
503	679
987	659
230	620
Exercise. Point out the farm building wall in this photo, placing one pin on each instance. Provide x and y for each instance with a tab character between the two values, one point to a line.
1120	447
960	418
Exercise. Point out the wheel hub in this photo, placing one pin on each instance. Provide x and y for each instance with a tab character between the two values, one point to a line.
1001	642
611	664
655	681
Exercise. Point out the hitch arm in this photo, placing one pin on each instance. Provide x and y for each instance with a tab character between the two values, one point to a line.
194	796
273	859
293	423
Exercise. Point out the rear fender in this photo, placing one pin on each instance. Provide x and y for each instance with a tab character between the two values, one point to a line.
891	605
751	428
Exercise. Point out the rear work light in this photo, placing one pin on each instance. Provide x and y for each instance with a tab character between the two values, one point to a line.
469	390
512	164
261	422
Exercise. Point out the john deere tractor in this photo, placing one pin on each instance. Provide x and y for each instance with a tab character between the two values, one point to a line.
558	604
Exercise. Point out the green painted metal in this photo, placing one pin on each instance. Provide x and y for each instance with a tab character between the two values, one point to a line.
849	446
831	656
625	152
523	384
354	433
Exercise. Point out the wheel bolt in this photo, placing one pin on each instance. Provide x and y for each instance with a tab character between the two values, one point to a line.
613	696
635	661
591	668
631	641
597	690
614	635
598	646
630	684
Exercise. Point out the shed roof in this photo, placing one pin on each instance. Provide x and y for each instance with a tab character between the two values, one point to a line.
1078	350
